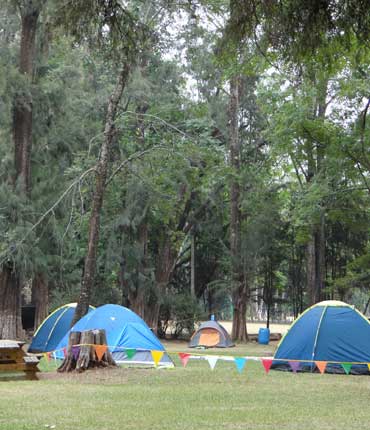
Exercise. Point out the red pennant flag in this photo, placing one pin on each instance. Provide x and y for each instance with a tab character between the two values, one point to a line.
64	352
100	351
267	363
184	358
321	365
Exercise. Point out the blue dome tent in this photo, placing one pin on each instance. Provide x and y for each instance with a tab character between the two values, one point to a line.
329	331
124	330
53	328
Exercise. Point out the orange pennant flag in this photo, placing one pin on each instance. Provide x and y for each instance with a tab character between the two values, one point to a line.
321	365
100	351
157	355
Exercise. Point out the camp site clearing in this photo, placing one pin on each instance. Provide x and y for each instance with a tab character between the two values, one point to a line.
194	397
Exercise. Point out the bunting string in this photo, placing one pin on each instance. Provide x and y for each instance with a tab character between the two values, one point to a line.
240	361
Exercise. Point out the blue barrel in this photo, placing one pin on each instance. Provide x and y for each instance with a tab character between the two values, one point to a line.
264	336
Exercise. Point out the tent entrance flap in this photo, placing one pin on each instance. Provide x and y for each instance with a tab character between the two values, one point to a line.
209	337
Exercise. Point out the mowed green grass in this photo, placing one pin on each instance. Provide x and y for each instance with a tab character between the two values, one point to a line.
188	398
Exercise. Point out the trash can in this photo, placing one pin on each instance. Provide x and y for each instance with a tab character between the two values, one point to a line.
264	336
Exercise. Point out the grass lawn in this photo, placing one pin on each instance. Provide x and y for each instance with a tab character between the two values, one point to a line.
187	398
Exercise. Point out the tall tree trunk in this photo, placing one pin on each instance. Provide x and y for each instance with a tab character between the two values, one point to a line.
316	247
22	110
10	288
40	298
164	269
136	295
192	265
10	305
98	196
239	284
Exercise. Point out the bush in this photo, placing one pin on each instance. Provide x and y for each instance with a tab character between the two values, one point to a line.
178	315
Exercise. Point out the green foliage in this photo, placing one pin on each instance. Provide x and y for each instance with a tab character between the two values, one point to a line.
178	315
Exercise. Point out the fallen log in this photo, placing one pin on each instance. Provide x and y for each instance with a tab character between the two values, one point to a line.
86	350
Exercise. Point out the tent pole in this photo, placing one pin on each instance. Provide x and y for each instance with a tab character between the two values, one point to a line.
317	336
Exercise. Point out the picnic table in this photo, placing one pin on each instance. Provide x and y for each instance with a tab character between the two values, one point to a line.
13	359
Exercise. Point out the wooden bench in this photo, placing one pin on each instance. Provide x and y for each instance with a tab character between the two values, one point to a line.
14	360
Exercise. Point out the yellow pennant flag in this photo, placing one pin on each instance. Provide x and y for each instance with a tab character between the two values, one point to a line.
157	355
100	351
321	365
368	365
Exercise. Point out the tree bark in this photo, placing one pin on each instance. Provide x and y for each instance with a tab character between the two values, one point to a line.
164	269
10	305
85	357
135	294
40	298
22	110
10	289
98	196
316	247
192	265
239	285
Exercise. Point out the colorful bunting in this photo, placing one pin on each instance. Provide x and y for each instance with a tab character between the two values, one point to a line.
184	358
100	351
240	363
347	367
321	365
130	353
294	365
157	355
212	361
267	363
75	351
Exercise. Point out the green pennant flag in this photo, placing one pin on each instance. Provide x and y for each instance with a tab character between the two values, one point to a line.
130	353
346	367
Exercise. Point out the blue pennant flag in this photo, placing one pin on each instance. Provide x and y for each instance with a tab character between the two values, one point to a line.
240	363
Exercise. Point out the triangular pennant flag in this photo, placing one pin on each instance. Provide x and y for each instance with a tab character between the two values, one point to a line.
368	365
75	352
212	361
294	365
240	363
321	365
184	358
347	367
157	355
267	363
64	352
130	353
100	351
46	356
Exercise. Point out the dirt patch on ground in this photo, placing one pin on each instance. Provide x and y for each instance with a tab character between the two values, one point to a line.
116	375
